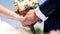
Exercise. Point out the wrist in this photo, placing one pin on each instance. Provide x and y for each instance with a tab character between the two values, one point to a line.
16	17
19	18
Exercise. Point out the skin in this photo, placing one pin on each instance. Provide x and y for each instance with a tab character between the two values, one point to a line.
27	20
9	14
30	18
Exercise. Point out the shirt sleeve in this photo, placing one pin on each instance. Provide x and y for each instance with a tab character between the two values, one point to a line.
40	14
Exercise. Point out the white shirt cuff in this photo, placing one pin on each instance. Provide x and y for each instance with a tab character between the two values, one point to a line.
40	14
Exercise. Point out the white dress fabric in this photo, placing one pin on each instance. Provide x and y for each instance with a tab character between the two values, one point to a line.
6	28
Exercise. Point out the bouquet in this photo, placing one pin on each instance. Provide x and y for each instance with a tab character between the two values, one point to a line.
25	5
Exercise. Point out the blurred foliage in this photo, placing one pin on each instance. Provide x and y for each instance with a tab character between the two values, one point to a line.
37	30
20	0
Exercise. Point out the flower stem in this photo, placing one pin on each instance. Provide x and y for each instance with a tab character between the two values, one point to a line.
32	29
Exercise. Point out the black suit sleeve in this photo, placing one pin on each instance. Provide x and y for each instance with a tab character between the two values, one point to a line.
48	7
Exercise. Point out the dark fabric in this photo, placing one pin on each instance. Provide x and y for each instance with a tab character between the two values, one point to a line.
53	22
51	9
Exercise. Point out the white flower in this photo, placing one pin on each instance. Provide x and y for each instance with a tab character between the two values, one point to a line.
25	3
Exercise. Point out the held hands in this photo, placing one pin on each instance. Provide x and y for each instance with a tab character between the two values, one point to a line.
29	18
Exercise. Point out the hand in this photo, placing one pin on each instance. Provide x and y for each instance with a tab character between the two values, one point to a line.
30	18
23	13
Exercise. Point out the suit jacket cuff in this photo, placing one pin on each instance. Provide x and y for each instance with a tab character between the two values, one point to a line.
40	14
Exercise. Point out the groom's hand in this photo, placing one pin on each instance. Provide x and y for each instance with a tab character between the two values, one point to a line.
30	18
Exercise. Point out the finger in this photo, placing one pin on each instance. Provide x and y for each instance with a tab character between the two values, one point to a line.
26	26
